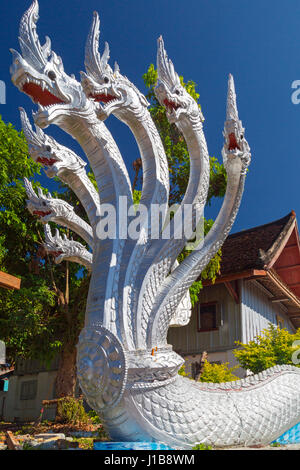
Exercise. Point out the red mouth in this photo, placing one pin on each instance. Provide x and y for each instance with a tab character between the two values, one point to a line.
41	213
233	145
102	97
44	97
46	161
170	105
56	253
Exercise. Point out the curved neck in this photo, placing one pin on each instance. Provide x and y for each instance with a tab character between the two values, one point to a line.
84	189
77	225
167	250
86	259
189	270
113	183
155	189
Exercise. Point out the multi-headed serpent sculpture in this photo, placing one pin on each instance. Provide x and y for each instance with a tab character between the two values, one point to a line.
126	369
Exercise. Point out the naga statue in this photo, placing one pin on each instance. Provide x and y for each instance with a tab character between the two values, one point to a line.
126	369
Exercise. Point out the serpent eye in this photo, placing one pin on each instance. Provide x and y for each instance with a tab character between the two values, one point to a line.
106	79
48	148
52	75
177	92
242	136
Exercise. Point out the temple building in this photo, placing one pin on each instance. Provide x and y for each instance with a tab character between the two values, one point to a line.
258	284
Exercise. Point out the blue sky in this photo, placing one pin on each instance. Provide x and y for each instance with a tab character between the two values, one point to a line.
258	41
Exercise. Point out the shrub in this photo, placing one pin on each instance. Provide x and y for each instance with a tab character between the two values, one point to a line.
71	410
183	372
202	447
273	347
217	373
94	417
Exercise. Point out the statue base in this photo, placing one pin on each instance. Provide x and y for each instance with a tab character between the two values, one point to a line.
130	446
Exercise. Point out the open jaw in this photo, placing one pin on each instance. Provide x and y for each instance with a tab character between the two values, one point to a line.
171	105
46	161
41	213
104	98
40	93
56	254
233	145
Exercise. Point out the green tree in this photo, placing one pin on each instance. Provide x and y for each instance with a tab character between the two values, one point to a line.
274	346
45	316
179	166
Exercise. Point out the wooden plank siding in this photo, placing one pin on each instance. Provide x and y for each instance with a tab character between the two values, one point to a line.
188	340
258	311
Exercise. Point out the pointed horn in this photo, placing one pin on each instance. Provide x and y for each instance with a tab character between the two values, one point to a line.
116	68
29	189
165	68
41	194
231	108
31	137
31	48
105	56
48	234
94	63
57	237
92	57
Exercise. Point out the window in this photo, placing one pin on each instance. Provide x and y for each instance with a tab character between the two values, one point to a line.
208	316
28	390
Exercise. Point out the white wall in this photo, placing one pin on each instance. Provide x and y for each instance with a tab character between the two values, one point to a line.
28	410
258	312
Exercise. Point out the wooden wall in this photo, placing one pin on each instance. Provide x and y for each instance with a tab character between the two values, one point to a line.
187	339
258	311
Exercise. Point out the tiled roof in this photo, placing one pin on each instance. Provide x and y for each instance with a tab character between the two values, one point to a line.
250	249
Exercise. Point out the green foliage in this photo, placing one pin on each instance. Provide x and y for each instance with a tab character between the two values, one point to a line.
94	417
184	373
218	373
213	373
71	411
86	443
274	346
38	320
136	197
202	447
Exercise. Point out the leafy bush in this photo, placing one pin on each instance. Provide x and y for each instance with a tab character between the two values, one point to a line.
71	410
273	347
202	447
218	373
183	372
94	417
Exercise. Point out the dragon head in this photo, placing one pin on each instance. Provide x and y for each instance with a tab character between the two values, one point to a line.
39	73
43	149
46	207
113	92
62	248
169	91
236	147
